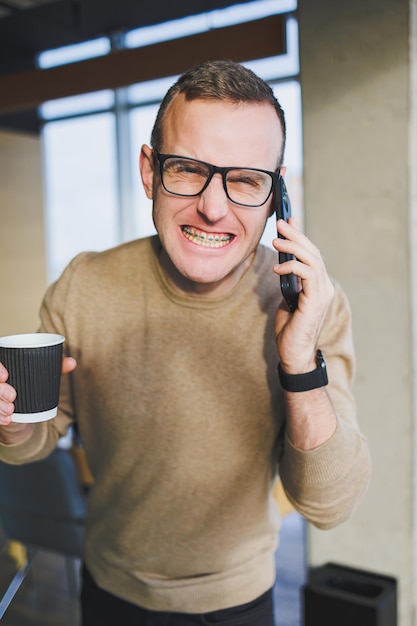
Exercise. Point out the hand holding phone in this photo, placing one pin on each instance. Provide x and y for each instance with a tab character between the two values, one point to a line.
289	282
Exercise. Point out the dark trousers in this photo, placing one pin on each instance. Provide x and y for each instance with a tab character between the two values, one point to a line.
100	608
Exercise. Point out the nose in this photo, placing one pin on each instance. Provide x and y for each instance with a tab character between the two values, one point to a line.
213	203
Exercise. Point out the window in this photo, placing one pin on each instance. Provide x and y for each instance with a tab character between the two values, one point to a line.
81	190
91	143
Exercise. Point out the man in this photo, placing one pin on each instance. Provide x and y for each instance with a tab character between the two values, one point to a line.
173	344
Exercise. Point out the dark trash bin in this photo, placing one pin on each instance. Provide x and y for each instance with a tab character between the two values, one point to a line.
336	595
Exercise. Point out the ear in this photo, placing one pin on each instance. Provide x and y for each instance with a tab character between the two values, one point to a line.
282	171
146	167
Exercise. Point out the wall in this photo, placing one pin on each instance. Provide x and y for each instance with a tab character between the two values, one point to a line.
22	244
355	73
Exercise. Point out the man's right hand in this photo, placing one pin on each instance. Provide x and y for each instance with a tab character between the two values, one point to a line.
12	432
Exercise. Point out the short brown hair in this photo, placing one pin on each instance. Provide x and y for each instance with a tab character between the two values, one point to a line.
218	80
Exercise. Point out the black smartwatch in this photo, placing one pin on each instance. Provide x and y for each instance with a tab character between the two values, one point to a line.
305	382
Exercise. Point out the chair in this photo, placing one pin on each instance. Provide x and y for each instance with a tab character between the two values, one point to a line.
42	506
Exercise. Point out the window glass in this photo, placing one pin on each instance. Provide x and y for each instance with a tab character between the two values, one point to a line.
289	96
269	69
75	52
76	105
219	18
141	123
80	188
283	65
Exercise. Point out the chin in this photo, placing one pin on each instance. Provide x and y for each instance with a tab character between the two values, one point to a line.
204	278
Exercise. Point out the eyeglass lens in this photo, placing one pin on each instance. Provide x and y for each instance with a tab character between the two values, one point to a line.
187	177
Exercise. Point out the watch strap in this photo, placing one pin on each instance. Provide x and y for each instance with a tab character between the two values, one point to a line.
305	382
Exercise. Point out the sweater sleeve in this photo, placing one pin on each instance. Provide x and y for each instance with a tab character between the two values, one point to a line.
327	483
45	435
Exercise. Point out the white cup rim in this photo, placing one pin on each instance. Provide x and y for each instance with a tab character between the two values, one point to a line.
31	340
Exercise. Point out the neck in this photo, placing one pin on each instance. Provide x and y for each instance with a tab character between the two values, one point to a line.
185	286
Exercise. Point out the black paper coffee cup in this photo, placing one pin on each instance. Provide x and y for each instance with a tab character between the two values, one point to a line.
34	362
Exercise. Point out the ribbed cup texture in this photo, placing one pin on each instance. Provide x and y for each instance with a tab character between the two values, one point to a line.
35	373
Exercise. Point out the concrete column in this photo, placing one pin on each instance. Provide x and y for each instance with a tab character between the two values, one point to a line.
360	209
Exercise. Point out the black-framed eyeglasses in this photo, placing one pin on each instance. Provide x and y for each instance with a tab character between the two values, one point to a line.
246	186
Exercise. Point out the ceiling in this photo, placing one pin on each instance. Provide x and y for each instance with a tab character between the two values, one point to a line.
30	26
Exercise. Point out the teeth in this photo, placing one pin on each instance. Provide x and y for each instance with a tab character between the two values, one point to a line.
209	241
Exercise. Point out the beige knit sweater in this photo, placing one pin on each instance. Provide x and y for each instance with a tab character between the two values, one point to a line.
181	415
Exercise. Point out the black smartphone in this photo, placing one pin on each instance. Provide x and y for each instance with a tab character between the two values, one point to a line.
289	283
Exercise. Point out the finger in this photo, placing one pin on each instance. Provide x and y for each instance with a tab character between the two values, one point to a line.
7	393
295	242
286	228
6	413
293	222
4	374
68	364
308	257
7	397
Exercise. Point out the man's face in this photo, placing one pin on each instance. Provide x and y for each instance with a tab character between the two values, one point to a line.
224	134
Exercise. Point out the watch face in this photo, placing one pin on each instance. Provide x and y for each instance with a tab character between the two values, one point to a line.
320	359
